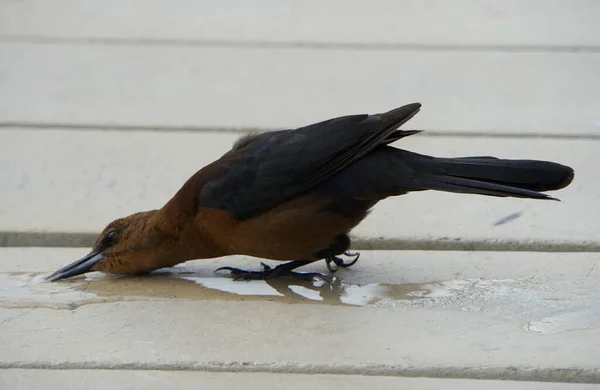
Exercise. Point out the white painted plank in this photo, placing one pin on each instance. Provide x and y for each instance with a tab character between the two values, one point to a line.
527	316
77	181
547	93
425	22
184	380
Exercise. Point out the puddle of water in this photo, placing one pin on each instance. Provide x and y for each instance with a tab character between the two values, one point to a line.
29	290
542	306
252	287
306	293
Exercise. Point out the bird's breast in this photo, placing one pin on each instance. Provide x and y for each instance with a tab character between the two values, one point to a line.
296	229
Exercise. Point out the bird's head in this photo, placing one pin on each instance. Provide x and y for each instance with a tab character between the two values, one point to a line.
130	245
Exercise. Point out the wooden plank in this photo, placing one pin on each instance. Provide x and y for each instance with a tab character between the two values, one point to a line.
519	23
530	93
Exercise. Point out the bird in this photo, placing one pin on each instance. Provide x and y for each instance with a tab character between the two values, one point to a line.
294	195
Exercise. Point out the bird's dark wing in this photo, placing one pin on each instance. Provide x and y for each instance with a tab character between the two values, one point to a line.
264	170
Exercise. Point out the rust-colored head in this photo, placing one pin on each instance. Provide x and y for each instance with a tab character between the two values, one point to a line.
132	245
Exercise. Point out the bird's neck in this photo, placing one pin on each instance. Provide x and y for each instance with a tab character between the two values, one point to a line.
180	239
181	219
184	204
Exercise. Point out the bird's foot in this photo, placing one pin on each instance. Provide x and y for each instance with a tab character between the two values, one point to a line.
268	272
339	262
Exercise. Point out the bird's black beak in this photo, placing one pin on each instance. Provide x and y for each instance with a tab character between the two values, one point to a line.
78	267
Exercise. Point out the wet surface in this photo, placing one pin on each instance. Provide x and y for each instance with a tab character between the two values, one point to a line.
31	290
539	305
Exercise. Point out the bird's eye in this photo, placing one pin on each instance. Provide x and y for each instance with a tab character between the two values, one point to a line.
110	238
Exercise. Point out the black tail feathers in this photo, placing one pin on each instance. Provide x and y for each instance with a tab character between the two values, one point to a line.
491	176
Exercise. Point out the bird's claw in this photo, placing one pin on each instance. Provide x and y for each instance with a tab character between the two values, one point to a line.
270	273
266	267
339	262
235	273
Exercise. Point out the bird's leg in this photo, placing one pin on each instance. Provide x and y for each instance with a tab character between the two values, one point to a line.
285	269
339	262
